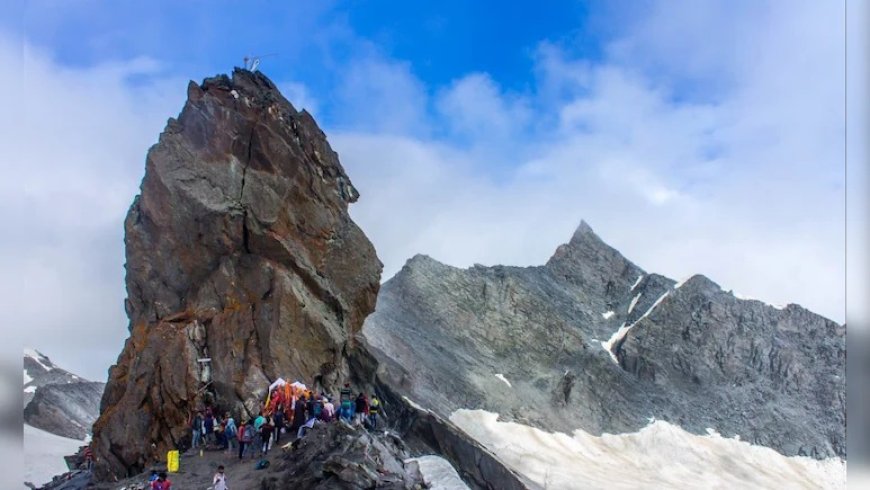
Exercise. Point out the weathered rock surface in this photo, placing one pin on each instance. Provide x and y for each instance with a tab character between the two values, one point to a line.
337	456
592	341
58	401
239	250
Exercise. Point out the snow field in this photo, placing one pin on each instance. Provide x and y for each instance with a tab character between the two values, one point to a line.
660	455
43	454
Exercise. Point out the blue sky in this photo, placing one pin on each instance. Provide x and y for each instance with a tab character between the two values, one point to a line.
695	137
312	43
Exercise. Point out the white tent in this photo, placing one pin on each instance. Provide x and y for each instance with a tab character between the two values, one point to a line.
298	385
278	382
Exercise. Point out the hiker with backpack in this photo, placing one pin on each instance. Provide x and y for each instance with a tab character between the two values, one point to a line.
346	402
374	408
315	408
230	431
245	437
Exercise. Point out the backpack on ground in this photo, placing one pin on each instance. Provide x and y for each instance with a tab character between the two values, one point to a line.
262	464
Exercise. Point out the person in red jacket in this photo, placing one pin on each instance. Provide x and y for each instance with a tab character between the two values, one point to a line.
161	483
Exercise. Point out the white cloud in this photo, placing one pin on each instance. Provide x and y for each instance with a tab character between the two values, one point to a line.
299	95
73	156
859	164
703	142
743	183
383	96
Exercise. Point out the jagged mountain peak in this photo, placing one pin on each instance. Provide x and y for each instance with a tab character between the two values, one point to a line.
583	229
590	340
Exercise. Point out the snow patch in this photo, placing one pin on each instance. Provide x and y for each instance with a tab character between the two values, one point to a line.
660	455
36	356
608	315
651	308
750	298
43	454
415	405
620	333
438	473
633	302
501	377
639	278
30	389
27	378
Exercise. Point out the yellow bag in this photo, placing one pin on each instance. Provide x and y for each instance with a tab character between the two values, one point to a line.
172	461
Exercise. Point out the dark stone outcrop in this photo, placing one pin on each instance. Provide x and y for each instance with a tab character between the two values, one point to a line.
424	431
691	354
338	456
239	250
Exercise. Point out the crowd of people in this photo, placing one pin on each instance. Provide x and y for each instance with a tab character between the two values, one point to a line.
289	410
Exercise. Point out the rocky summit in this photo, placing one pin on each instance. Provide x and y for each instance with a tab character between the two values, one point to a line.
243	265
592	341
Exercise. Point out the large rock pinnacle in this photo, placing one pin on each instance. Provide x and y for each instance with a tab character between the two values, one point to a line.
239	250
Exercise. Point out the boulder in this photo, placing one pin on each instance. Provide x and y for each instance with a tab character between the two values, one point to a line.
243	266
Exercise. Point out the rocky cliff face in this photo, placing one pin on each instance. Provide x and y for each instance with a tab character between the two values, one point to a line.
592	341
242	265
58	401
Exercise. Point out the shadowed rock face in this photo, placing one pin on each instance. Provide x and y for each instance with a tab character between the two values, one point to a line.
239	250
689	353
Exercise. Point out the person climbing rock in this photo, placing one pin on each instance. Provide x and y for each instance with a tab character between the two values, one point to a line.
219	482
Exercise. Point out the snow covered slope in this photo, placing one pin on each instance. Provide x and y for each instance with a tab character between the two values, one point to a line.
660	455
43	454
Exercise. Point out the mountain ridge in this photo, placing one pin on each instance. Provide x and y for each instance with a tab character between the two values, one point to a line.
56	400
607	345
